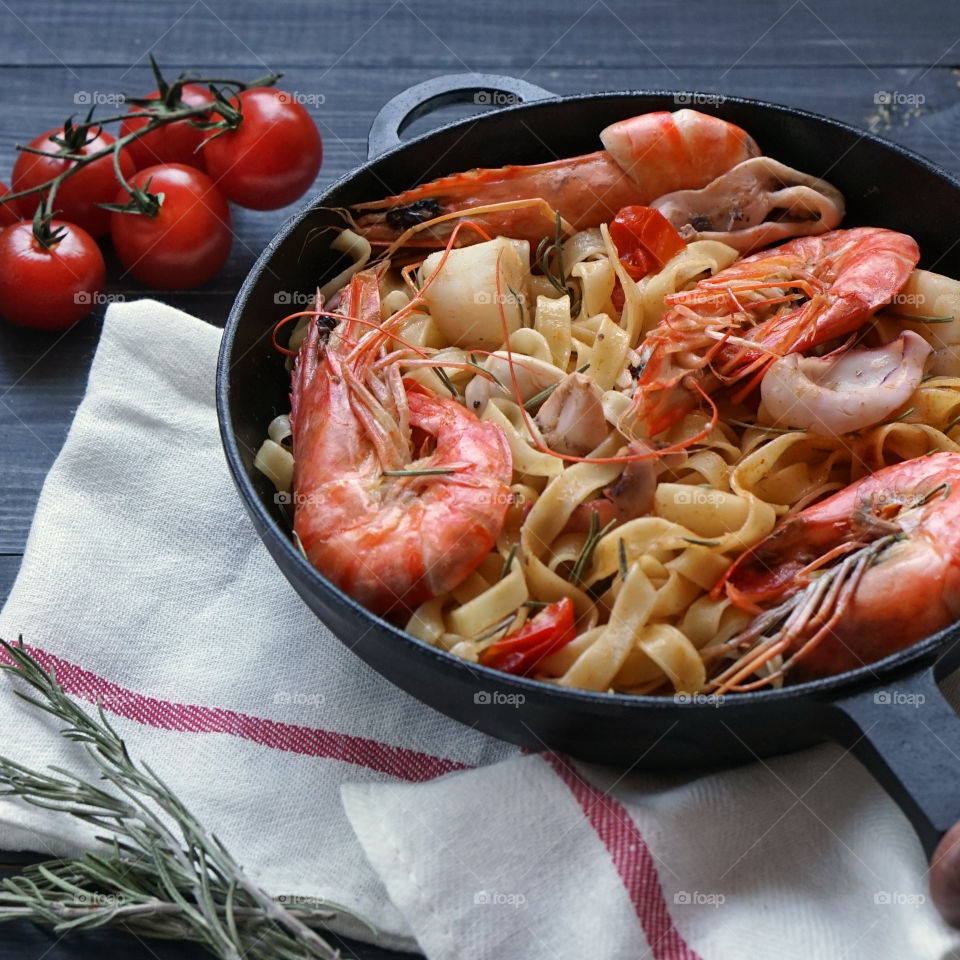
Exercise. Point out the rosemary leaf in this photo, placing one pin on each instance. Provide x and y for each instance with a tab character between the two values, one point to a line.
485	372
906	413
519	302
914	319
432	472
702	543
538	398
557	279
945	487
444	378
505	569
495	629
594	535
761	426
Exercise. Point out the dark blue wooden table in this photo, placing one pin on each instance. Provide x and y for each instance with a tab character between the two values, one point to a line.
889	69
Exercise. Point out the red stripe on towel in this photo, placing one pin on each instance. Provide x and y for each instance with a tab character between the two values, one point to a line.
400	762
610	819
632	859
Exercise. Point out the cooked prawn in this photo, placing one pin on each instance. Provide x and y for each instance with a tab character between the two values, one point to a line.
788	299
398	493
865	573
645	157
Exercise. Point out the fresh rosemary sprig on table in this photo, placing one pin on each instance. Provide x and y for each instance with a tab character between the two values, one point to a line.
162	875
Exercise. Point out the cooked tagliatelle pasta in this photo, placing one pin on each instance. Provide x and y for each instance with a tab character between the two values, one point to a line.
629	458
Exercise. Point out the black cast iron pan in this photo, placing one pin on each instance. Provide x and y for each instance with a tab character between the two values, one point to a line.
890	714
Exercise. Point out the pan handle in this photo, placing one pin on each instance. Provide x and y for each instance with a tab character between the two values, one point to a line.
483	89
908	736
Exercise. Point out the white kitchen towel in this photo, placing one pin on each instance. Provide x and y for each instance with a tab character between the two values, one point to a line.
144	584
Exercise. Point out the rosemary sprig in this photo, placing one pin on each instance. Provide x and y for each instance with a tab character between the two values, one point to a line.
945	487
508	562
473	362
538	398
558	279
433	472
594	535
622	554
951	424
761	426
161	875
444	378
498	627
916	319
897	419
518	300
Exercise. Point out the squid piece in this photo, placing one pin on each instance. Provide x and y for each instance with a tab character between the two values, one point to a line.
756	203
477	291
572	420
844	391
533	376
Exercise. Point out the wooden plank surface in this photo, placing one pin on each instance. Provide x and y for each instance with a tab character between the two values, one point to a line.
837	58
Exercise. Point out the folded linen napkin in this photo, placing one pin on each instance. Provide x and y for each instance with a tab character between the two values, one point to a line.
144	584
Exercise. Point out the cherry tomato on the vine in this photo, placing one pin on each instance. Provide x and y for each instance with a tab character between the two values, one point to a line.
272	157
186	241
49	288
9	212
77	198
176	142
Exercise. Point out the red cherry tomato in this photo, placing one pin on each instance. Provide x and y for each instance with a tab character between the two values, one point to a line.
272	157
645	240
78	196
176	142
9	212
49	288
543	635
186	242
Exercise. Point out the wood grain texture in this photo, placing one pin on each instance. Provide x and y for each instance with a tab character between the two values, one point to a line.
346	60
457	36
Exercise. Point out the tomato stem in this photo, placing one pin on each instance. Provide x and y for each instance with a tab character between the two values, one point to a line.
45	236
168	109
